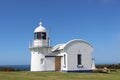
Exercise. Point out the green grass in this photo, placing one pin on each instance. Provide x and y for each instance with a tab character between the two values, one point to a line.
58	76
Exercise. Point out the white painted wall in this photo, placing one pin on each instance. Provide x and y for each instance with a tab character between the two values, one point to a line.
38	58
37	61
50	64
79	48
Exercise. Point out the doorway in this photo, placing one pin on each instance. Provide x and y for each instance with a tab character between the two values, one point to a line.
57	63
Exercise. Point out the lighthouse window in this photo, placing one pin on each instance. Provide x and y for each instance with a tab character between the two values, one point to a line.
43	34
35	36
40	35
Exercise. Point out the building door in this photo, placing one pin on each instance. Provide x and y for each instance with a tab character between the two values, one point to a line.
57	63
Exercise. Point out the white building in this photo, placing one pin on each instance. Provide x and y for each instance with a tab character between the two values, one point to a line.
73	56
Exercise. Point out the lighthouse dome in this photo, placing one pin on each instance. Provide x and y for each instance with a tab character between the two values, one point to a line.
40	28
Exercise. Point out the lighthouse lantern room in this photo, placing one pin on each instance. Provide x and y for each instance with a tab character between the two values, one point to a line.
40	36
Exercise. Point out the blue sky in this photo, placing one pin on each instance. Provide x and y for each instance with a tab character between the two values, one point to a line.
96	21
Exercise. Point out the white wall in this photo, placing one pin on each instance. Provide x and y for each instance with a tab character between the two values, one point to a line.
37	61
38	58
50	64
79	48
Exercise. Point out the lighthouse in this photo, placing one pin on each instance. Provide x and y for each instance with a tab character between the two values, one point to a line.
72	56
39	48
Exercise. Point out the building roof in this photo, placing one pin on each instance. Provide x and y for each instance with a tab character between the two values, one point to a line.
58	47
64	46
40	28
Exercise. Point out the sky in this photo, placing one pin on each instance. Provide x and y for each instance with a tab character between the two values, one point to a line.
95	21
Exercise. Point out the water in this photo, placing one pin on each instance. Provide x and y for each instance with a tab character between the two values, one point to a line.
18	67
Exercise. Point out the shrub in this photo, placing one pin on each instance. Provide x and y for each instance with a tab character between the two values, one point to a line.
6	69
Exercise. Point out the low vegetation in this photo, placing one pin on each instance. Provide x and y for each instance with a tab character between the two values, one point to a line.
109	66
8	73
26	75
6	69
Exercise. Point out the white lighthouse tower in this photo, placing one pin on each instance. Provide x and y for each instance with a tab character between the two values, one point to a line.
39	48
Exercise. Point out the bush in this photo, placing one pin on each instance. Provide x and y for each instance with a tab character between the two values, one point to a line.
109	66
6	69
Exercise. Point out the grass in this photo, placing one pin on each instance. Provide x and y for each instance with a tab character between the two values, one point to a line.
58	76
